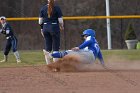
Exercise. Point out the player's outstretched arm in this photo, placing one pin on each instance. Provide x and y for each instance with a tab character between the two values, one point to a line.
100	57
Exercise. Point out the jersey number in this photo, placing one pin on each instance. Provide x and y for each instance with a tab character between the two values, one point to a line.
97	47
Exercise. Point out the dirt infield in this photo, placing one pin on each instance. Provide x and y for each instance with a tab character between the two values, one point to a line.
36	79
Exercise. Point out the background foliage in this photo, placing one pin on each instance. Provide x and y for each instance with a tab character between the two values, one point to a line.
28	32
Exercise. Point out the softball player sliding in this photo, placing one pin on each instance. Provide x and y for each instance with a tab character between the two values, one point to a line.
11	40
88	51
51	22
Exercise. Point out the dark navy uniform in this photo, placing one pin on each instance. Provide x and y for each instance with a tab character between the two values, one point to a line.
11	39
50	28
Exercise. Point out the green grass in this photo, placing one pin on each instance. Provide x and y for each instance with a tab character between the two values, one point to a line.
35	58
125	54
28	58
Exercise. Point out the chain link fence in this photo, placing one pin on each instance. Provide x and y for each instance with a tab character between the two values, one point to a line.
28	32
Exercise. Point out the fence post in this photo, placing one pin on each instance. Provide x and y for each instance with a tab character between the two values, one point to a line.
108	25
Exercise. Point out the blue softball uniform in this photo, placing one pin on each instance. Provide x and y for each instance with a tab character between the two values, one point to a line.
88	46
11	40
91	44
50	27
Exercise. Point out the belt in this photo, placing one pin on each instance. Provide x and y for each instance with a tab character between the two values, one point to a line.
51	23
8	37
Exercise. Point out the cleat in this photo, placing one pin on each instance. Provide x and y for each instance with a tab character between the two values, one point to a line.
3	60
18	61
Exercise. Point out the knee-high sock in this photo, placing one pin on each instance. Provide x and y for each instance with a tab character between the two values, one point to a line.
17	55
5	57
47	56
59	54
56	55
47	59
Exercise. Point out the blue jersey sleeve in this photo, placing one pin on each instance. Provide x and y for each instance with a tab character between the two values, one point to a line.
100	57
85	44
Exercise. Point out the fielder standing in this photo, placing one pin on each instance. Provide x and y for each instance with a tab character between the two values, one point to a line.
51	22
11	40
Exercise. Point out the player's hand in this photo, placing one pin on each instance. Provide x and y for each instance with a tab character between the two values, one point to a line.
75	49
61	28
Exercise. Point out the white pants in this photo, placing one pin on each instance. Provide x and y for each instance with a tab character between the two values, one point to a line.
84	56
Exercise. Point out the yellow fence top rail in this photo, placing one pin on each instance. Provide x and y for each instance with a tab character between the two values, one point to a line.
78	17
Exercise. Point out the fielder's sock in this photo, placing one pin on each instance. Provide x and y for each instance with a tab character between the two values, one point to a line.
17	55
5	59
47	57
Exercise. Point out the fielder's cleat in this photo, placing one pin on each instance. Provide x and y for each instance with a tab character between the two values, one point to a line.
3	60
18	60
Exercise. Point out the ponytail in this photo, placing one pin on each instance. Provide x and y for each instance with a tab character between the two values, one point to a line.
50	8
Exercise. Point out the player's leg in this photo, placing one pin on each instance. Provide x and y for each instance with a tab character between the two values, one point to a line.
14	48
47	56
48	41
48	46
6	50
83	56
55	59
59	54
54	55
87	56
56	43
